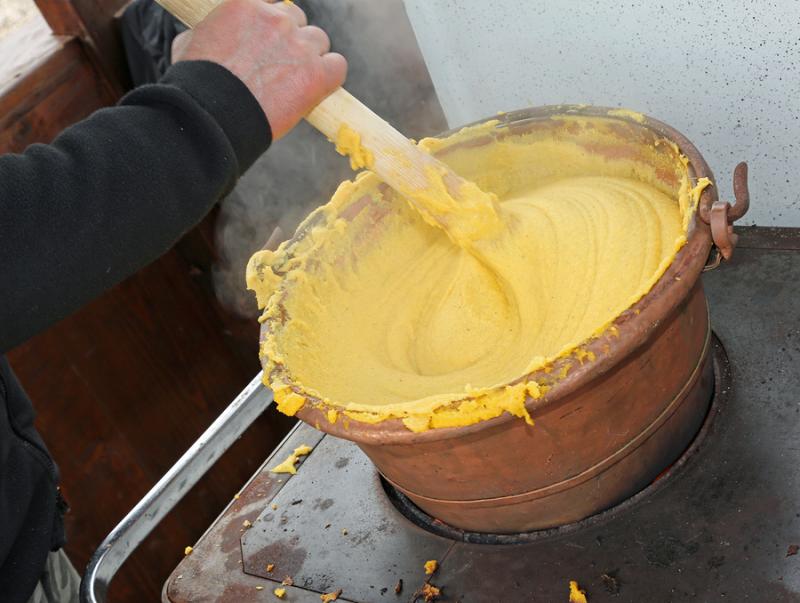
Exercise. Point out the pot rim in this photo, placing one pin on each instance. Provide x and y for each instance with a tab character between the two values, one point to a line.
629	331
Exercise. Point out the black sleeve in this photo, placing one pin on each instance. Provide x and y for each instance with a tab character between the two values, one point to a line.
116	190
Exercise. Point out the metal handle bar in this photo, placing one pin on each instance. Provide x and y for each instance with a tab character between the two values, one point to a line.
171	488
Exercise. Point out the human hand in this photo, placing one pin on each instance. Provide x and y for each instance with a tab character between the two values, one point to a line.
283	61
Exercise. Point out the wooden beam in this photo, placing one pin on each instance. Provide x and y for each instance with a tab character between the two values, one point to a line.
22	49
59	88
62	17
92	21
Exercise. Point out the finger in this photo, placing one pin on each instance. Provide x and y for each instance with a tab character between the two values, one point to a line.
295	12
335	67
179	45
315	38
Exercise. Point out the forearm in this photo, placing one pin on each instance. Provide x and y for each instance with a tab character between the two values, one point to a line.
115	191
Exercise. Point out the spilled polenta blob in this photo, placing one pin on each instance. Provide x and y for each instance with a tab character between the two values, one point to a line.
348	142
576	595
374	312
289	465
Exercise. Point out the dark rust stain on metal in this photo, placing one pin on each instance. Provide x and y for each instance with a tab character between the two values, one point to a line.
771	237
287	556
239	592
610	582
427	593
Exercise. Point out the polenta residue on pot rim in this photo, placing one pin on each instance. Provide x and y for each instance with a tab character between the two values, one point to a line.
372	313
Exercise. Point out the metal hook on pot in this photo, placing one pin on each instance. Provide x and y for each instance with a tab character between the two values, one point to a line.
721	216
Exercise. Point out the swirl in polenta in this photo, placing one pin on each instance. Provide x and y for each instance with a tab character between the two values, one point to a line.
373	313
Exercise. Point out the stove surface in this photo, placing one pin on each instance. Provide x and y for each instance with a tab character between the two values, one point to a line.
720	526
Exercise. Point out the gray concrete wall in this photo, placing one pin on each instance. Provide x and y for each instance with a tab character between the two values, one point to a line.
725	73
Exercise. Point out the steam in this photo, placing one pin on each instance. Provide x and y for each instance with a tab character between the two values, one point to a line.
302	170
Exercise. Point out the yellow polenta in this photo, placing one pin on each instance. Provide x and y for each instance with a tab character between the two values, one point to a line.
373	312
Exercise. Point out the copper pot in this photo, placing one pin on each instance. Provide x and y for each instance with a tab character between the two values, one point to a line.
612	424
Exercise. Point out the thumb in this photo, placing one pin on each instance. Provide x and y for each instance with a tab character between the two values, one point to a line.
335	66
179	45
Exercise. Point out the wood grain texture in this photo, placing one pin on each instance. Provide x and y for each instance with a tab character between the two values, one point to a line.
23	48
190	12
398	161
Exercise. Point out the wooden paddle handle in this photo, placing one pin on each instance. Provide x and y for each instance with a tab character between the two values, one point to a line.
396	159
191	12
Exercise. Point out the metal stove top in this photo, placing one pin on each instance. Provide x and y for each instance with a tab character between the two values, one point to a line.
719	526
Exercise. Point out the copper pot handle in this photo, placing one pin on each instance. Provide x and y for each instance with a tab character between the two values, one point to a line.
721	215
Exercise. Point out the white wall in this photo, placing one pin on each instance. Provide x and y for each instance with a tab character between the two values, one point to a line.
725	73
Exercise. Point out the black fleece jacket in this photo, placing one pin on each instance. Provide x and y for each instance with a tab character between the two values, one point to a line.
77	216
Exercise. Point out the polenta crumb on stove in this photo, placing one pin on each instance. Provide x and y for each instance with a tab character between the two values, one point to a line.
279	592
328	597
270	567
429	592
188	550
288	466
576	595
431	566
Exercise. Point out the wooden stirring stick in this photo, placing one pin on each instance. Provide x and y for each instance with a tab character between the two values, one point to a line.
443	197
